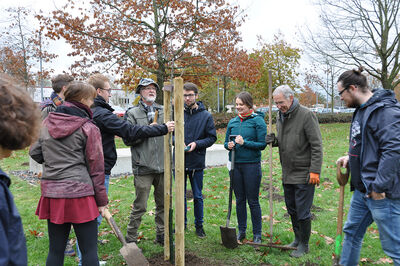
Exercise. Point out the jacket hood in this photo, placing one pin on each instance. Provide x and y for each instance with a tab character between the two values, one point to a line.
101	102
200	108
61	125
382	96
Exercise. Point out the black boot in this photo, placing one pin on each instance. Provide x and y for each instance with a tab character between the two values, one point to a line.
304	234
296	231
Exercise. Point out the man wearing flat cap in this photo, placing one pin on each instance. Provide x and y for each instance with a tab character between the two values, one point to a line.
147	160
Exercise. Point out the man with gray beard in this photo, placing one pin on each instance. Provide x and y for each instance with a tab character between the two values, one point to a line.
147	160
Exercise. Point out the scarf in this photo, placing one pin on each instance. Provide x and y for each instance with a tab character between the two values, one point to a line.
150	111
244	116
54	99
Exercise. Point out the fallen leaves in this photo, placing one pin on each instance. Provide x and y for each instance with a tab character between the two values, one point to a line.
36	233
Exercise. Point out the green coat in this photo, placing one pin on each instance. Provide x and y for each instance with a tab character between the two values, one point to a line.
253	131
300	145
147	153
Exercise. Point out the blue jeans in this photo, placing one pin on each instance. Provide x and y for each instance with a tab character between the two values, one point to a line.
246	185
196	181
363	211
99	219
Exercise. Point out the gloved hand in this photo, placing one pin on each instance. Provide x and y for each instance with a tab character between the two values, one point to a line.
270	138
314	178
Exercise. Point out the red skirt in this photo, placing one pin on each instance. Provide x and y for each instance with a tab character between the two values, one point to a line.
60	211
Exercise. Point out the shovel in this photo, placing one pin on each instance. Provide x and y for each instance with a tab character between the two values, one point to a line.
130	251
228	234
342	180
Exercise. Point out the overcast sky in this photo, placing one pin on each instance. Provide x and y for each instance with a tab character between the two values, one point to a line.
264	18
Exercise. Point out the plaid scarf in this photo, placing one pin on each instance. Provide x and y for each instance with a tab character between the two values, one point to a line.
150	111
243	116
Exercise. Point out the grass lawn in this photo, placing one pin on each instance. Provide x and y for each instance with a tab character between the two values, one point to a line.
216	185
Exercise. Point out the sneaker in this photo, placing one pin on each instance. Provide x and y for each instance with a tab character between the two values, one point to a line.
200	232
159	240
257	239
69	250
241	236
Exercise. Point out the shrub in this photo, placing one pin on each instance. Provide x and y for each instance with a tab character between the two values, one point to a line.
221	120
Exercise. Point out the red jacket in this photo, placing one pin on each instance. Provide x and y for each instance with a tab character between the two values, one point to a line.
72	155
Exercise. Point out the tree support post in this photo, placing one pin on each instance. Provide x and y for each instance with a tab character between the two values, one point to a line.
179	173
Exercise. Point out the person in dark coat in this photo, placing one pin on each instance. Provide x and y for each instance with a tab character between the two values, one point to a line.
19	127
373	157
200	134
300	152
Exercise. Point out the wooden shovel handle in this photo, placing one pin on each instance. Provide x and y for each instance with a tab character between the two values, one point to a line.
114	226
340	212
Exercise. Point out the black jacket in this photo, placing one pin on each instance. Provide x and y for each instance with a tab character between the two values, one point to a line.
110	125
199	128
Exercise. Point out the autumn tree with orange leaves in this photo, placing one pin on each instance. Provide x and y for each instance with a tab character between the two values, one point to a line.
22	47
164	38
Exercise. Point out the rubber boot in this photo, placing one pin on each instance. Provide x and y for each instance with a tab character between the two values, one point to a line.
296	232
304	233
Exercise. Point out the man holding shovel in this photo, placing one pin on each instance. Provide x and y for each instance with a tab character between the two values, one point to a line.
300	150
147	160
200	134
374	159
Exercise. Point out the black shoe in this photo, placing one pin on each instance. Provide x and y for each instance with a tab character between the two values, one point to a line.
159	240
241	236
305	232
200	232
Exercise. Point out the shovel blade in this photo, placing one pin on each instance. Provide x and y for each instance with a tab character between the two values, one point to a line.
228	236
133	255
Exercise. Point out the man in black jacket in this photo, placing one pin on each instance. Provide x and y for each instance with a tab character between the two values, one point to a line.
200	134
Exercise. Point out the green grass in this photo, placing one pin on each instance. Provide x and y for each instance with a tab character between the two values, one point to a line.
216	183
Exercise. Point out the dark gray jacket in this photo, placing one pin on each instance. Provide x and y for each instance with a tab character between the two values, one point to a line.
300	144
147	153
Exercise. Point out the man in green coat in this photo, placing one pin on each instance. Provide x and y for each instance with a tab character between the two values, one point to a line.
300	151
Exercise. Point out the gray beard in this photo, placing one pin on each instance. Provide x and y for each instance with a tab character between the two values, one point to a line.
150	99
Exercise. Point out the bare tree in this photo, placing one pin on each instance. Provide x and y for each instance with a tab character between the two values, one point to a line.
361	32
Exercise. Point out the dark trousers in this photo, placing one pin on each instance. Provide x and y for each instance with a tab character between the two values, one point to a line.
196	181
87	237
298	199
246	185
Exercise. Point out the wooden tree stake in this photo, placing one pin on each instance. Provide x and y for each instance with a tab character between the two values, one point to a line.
179	173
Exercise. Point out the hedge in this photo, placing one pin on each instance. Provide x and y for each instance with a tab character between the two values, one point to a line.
221	120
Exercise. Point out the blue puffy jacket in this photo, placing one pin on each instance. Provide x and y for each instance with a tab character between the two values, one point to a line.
199	128
12	238
380	149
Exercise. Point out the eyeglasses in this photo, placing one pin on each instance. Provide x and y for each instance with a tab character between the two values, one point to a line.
188	95
341	92
107	90
149	88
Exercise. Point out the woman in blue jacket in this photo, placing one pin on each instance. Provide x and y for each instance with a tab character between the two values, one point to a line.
246	134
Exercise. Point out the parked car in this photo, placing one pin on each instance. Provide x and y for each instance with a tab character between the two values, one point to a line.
266	109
